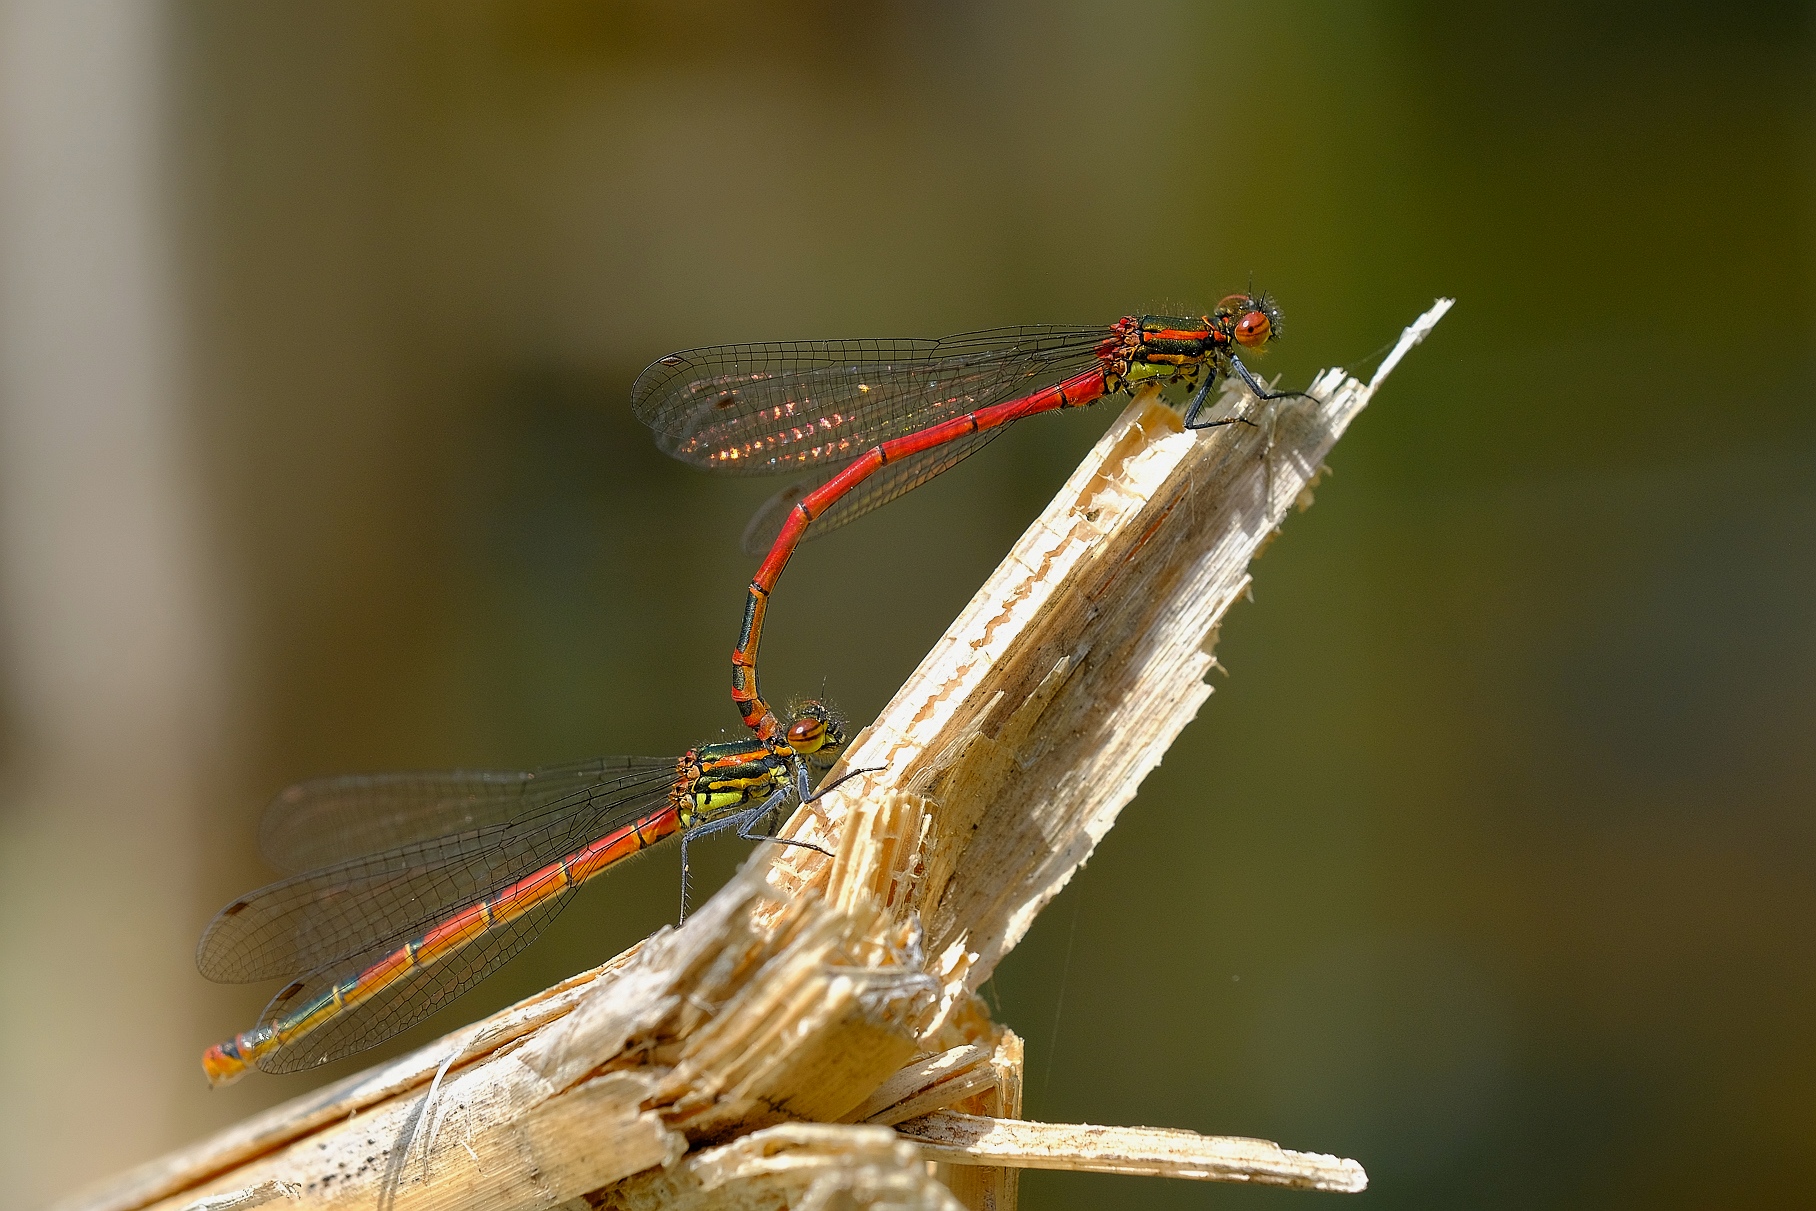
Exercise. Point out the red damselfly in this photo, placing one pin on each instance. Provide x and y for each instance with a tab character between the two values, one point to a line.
417	886
871	419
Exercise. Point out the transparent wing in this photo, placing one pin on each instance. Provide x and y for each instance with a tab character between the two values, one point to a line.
878	490
765	409
400	1005
329	820
324	920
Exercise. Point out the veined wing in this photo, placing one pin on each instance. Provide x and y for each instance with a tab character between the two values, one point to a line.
879	489
398	1005
328	820
768	408
322	921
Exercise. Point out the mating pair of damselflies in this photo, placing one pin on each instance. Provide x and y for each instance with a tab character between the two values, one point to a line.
414	887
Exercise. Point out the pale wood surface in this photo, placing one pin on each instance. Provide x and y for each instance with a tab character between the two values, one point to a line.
1139	1151
991	1187
937	1080
711	1065
808	1166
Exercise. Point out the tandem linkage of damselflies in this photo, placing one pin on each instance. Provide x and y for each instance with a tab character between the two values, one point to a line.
411	888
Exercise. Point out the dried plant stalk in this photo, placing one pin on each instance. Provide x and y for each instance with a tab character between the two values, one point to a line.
752	1057
1140	1151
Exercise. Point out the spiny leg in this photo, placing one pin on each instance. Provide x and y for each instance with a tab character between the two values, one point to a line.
1197	402
742	821
707	828
1267	452
809	795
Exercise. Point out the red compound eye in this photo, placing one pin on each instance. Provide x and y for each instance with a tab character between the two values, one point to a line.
1253	329
806	735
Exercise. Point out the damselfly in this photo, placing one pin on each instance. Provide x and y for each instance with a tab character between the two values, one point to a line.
871	419
418	886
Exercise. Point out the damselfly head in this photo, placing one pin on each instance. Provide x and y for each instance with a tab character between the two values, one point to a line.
815	729
1253	319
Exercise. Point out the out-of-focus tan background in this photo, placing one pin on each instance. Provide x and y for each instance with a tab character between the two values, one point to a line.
1493	861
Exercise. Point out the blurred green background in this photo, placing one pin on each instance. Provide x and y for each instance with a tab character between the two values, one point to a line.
1491	864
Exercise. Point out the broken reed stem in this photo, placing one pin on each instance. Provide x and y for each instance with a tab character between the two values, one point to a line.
759	1054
